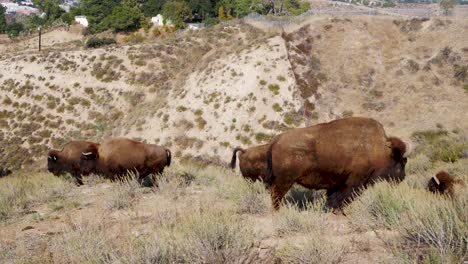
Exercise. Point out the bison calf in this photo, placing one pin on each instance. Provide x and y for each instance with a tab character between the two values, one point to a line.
117	156
252	162
68	159
444	184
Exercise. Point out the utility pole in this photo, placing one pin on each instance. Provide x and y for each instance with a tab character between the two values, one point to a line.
39	28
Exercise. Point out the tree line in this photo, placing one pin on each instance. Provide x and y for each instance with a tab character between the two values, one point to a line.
130	15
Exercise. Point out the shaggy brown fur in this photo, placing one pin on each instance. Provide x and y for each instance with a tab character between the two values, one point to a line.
444	184
116	156
68	159
341	156
252	162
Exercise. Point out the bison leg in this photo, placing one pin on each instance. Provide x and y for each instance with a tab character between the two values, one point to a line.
79	179
277	193
336	198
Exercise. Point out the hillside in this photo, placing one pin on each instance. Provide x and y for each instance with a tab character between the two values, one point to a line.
202	93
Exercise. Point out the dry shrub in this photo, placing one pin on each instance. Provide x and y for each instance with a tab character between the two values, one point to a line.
309	218
19	192
125	193
312	249
424	221
210	236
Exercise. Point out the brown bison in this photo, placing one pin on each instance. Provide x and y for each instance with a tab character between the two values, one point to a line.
341	156
252	162
444	183
117	156
68	159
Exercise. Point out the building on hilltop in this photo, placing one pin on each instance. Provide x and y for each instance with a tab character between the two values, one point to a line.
159	21
82	20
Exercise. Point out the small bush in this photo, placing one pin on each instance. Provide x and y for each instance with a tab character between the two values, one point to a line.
96	42
277	108
274	88
181	108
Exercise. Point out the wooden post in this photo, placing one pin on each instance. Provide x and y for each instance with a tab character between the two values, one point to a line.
40	31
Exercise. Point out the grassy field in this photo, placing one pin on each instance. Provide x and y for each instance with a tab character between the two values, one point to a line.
208	214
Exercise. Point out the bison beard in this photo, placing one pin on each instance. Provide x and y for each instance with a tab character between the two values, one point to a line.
342	157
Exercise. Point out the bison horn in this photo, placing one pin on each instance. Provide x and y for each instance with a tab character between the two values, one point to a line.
87	153
434	178
52	157
409	148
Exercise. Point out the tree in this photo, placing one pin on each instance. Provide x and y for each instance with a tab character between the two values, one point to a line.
447	6
125	18
3	24
14	29
96	11
152	7
51	8
178	12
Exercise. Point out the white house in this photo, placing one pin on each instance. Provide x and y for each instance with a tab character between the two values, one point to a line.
159	21
82	20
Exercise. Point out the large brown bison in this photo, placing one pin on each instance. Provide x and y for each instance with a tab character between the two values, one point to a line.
252	162
444	184
68	159
341	156
115	157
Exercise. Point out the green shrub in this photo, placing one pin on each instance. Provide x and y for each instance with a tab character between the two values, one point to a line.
274	88
277	108
96	42
439	145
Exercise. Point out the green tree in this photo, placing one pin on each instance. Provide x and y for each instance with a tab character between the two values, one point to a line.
67	18
3	24
33	22
447	5
14	29
152	7
125	18
178	12
50	7
96	11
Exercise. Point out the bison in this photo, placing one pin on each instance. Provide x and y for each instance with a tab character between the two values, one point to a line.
341	156
68	159
4	172
444	184
117	156
252	162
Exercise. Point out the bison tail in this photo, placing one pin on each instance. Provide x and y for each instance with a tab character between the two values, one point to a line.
398	147
169	157
269	176
234	157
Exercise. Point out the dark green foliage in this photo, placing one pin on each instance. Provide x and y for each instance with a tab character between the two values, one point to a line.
124	18
3	24
178	12
96	11
51	8
13	30
96	42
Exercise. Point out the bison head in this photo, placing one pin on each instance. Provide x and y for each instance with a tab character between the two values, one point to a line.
54	163
398	160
